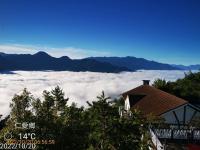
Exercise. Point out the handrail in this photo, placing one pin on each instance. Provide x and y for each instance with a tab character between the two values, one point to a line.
155	140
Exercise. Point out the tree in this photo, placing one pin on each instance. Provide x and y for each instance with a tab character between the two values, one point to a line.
54	120
187	88
161	84
97	127
59	122
110	131
20	113
3	122
20	107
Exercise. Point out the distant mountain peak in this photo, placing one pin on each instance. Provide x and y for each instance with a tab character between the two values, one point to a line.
129	57
64	57
41	53
2	54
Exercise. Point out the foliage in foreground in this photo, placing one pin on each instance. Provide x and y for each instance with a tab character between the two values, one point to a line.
99	127
187	88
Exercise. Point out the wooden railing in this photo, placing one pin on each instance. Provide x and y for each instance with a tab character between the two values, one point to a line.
123	112
187	134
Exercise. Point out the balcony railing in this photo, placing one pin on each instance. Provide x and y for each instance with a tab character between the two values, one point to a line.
123	112
187	134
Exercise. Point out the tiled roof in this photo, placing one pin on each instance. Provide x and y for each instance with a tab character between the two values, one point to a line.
155	101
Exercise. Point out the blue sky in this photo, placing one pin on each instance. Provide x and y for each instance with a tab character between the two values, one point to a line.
163	30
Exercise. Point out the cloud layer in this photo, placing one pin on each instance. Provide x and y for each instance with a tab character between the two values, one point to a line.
78	86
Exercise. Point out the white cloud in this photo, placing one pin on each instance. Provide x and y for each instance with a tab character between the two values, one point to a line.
71	52
78	86
17	49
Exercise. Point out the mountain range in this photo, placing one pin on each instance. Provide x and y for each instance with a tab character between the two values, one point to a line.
43	61
134	63
190	67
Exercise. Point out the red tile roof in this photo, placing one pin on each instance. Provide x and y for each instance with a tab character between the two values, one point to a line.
155	101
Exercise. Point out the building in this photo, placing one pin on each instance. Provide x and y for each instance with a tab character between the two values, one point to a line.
177	113
151	100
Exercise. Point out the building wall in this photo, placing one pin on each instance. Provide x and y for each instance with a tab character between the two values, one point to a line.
127	104
189	112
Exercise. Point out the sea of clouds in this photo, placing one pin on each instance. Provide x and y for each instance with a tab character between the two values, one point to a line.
78	86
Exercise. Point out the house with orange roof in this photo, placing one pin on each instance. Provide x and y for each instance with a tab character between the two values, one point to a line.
177	113
150	100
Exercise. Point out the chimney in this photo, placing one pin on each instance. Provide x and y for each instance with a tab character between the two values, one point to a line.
146	82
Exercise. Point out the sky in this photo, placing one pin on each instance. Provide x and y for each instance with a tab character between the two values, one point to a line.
162	30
